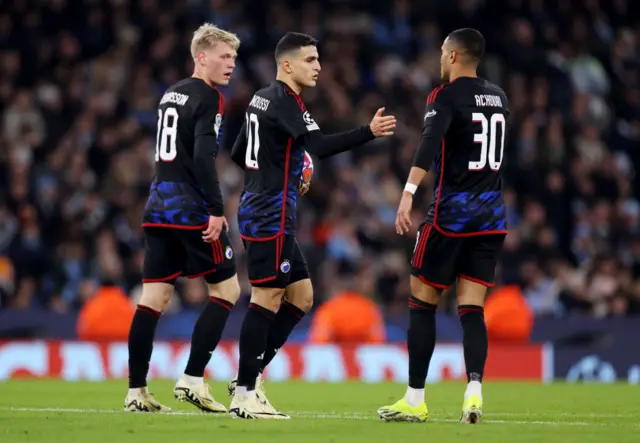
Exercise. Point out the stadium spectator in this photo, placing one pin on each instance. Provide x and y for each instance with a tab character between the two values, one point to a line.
80	84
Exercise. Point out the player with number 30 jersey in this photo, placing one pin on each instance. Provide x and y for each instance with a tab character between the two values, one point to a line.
463	140
467	117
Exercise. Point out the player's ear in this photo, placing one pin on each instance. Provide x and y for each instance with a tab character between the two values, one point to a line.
286	65
453	56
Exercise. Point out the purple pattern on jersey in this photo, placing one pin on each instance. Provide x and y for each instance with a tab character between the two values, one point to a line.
178	204
260	214
469	212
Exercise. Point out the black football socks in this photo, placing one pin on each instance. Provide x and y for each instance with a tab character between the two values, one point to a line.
253	342
474	340
283	324
421	340
143	328
206	335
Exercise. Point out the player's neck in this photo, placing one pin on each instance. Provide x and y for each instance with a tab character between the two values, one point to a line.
209	83
463	73
289	82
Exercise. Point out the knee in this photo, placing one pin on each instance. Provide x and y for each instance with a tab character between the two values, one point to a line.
416	287
268	298
300	294
228	290
304	303
424	292
156	296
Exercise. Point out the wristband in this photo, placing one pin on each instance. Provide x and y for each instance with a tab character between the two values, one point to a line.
410	188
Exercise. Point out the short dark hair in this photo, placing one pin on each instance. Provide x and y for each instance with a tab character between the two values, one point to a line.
292	41
471	41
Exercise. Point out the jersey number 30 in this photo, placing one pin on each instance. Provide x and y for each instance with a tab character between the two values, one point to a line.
487	139
253	141
167	133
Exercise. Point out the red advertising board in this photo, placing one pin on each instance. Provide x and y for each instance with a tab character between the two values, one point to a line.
75	360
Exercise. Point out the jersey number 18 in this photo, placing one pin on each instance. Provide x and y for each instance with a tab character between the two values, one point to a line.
167	133
487	140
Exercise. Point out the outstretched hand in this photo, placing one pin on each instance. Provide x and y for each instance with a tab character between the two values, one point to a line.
382	126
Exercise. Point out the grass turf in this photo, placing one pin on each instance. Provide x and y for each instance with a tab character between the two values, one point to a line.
55	411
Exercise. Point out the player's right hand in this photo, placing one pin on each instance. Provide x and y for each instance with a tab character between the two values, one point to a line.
215	227
382	126
403	218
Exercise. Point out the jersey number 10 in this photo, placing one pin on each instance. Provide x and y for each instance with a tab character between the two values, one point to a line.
253	141
167	133
487	140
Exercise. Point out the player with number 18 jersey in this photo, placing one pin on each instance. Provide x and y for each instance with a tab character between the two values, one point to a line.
186	191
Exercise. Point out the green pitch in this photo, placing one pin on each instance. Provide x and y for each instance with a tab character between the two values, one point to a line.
54	411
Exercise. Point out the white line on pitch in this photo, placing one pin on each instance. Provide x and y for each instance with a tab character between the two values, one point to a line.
334	415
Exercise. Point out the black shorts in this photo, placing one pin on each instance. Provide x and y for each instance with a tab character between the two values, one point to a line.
171	253
439	259
275	263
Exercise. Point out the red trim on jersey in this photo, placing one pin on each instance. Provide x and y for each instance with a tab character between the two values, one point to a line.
434	94
475	280
220	103
290	91
432	284
284	200
435	214
166	225
263	280
162	279
286	184
200	274
273	237
469	234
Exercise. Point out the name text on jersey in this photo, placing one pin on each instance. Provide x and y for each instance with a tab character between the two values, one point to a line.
174	97
488	100
260	102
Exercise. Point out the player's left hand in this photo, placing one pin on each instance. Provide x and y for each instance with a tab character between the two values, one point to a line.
215	227
382	126
302	190
403	218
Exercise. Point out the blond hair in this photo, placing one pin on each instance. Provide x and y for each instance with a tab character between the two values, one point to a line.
208	35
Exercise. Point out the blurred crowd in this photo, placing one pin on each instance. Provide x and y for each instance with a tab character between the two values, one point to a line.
80	82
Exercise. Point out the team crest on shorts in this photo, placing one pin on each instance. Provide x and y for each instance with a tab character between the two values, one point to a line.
285	266
228	252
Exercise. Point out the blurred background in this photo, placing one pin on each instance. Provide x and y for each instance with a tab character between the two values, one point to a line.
79	86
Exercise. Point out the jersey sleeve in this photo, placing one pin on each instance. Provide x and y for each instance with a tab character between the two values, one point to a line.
209	117
294	118
205	151
437	119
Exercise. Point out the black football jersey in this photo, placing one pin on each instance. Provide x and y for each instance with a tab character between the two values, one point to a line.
472	114
272	140
178	197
